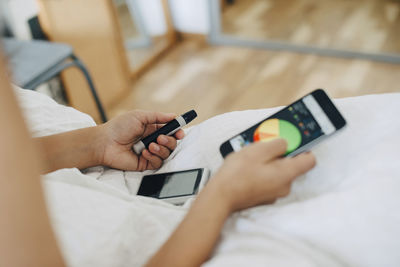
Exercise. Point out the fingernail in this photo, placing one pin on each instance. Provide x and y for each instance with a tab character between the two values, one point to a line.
156	147
162	140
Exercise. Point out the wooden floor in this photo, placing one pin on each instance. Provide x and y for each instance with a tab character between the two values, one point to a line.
362	25
217	79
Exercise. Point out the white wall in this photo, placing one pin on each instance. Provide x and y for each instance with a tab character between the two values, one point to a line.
190	16
18	12
153	16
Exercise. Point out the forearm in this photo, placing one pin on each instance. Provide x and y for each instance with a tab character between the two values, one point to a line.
26	238
193	241
79	148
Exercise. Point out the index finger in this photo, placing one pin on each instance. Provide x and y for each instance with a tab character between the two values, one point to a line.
266	151
152	117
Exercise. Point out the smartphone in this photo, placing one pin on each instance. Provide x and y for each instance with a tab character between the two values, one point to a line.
303	124
174	187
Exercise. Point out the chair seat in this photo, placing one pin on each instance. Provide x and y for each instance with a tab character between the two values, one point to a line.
30	60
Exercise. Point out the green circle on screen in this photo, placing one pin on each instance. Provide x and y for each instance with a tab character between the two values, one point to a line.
292	135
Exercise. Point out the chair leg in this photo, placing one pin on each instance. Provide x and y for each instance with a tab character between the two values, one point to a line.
79	64
75	62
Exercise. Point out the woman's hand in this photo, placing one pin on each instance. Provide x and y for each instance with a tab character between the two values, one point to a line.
259	174
256	175
121	133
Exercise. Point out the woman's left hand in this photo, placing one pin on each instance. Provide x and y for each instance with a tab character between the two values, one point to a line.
121	133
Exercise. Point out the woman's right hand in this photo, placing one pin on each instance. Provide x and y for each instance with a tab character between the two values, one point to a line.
259	174
256	175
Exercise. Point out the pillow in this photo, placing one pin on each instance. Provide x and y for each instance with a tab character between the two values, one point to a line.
44	116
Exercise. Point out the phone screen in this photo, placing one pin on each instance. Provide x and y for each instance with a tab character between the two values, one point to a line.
300	123
174	184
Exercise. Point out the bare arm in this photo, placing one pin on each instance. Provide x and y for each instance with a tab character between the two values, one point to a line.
110	144
71	149
26	237
257	175
193	241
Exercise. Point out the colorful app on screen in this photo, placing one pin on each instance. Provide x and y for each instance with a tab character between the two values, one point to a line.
277	128
302	124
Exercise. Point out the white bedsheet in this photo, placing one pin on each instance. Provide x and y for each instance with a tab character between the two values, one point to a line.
346	212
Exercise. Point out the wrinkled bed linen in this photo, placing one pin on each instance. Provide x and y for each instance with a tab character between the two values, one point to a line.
345	212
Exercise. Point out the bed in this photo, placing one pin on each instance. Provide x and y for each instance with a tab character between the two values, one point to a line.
345	212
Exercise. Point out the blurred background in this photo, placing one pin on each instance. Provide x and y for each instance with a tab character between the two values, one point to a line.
213	56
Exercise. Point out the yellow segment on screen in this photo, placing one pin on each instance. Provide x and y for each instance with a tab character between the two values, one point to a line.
267	131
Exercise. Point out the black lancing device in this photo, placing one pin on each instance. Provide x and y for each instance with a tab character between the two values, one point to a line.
168	129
